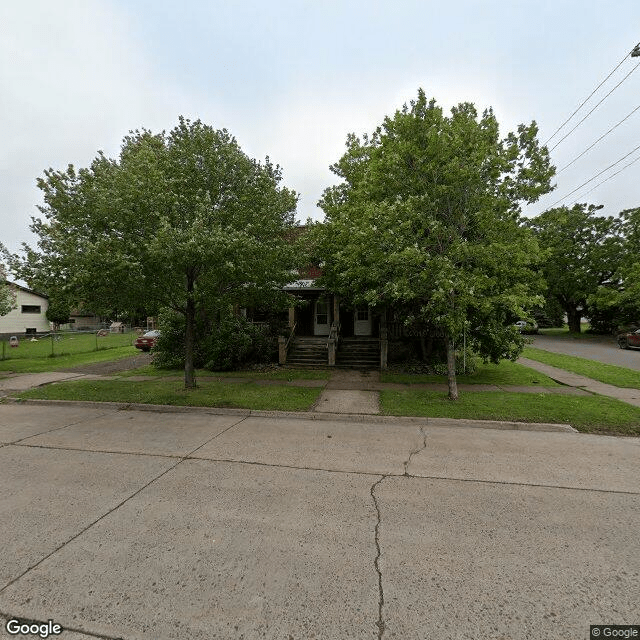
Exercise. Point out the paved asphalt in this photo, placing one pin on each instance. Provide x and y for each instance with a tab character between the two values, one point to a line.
206	525
599	348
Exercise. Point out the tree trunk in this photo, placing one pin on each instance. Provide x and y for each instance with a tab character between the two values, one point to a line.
573	318
190	335
451	369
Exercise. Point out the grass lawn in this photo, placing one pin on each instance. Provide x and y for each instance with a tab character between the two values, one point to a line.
276	374
40	364
608	373
589	414
209	394
564	331
505	373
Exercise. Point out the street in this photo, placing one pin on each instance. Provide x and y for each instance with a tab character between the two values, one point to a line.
206	524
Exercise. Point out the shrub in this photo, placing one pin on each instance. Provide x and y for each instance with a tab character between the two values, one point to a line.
231	343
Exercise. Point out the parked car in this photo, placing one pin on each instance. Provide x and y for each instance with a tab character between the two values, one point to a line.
147	340
629	340
527	326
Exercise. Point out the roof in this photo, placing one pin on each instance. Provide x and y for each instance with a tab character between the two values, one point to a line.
15	285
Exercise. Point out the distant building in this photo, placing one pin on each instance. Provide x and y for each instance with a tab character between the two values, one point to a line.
29	314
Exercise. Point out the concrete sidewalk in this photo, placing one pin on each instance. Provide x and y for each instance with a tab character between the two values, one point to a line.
630	396
22	382
194	525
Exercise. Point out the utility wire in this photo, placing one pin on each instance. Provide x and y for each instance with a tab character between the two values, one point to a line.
594	108
553	135
598	140
594	177
607	179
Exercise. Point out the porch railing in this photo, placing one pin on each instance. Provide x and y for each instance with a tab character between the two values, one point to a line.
284	345
332	343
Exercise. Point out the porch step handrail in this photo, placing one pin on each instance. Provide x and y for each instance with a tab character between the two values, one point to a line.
291	334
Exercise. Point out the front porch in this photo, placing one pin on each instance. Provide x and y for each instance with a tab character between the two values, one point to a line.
326	331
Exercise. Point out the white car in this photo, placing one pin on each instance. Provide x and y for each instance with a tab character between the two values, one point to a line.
524	326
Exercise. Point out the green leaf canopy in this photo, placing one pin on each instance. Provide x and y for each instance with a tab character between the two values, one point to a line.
181	220
427	219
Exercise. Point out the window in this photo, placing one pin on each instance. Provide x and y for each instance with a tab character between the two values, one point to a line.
362	314
322	312
30	308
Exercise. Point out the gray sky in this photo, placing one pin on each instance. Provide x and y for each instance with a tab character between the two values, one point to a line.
291	78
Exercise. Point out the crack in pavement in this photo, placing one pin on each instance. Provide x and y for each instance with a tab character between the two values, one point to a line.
110	511
324	469
376	563
422	447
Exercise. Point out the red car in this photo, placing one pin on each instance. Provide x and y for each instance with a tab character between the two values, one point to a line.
629	340
147	340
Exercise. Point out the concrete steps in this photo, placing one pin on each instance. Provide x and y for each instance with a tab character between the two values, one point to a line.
358	353
308	352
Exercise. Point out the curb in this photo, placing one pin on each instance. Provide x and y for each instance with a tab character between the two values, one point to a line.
305	415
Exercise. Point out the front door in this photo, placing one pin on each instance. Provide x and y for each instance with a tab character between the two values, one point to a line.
362	321
321	318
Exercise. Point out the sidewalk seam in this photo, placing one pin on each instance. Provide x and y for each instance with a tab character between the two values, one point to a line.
110	511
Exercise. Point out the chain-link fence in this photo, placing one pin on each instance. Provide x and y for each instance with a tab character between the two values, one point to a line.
60	343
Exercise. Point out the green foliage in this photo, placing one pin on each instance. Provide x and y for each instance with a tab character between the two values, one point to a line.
427	220
7	296
58	311
582	253
225	345
180	220
238	343
616	304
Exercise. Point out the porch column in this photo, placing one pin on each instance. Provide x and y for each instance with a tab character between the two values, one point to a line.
384	342
292	317
336	309
282	350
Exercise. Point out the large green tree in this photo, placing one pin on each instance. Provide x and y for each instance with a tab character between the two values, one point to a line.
183	220
582	254
616	302
426	219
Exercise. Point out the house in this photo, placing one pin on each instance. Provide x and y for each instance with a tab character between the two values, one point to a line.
325	330
28	315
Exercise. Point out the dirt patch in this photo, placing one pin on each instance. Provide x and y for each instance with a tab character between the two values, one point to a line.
113	366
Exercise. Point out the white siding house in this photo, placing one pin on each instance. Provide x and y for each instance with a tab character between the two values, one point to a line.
28	314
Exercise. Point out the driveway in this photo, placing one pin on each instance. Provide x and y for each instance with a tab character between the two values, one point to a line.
599	348
207	524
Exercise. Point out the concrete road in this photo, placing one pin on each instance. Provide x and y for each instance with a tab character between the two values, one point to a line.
599	348
197	525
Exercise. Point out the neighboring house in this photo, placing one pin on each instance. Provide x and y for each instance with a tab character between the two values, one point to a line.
29	314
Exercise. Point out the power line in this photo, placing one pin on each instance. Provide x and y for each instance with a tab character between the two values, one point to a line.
594	177
553	135
594	108
607	179
598	140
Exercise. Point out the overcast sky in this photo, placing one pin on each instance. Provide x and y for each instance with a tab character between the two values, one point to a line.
291	78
